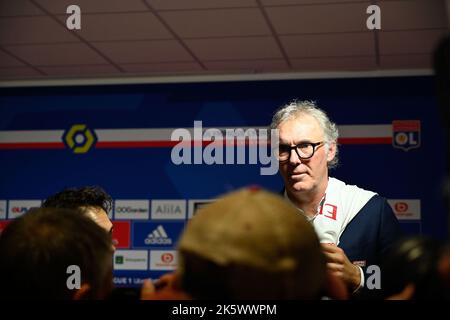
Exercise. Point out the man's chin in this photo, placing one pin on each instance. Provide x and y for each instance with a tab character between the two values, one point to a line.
299	187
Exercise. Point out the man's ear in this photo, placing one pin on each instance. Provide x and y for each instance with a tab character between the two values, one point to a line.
82	293
331	151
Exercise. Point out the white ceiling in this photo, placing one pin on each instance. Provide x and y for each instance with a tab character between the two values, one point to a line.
192	37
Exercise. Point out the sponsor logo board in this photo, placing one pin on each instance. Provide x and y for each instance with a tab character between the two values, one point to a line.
16	208
163	259
168	209
121	234
406	209
195	204
130	260
151	234
131	209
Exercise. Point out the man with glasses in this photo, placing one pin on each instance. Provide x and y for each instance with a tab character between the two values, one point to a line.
355	226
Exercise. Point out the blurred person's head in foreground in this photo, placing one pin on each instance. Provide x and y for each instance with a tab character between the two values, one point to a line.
92	200
416	268
441	65
38	248
251	244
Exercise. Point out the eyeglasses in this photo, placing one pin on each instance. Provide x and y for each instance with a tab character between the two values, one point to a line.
304	150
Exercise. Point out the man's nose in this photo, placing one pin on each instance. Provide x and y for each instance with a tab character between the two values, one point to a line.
294	158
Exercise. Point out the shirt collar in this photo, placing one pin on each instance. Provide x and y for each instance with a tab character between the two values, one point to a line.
319	208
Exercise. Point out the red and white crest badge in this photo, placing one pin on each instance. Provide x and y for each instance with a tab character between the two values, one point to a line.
406	134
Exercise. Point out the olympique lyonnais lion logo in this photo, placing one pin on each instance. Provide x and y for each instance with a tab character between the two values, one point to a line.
406	134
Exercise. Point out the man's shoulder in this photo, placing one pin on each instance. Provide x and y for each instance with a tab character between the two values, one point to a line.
375	214
348	188
377	200
375	208
370	217
371	231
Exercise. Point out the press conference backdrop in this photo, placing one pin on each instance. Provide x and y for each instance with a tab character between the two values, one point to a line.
118	137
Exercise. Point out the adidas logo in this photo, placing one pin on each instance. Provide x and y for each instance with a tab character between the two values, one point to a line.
158	236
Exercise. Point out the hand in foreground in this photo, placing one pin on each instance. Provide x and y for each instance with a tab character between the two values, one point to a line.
165	288
339	265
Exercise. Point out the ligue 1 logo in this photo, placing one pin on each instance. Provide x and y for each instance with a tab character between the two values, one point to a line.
80	138
406	134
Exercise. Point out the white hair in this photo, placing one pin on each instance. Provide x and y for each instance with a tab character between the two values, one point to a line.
296	108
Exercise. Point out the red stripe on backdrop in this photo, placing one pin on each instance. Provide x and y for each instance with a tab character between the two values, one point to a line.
380	140
165	143
32	145
135	144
